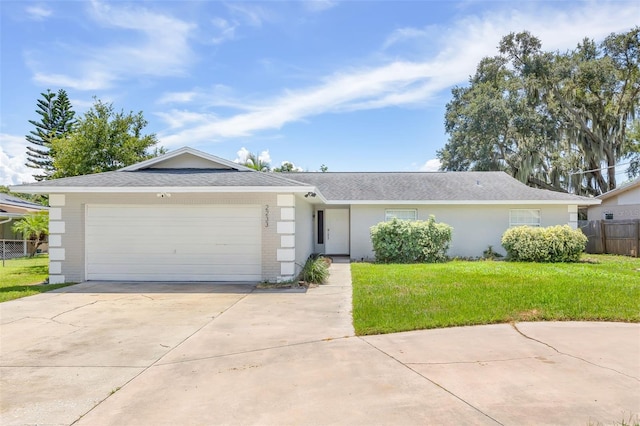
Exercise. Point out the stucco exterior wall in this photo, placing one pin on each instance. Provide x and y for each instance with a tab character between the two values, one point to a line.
304	232
625	205
289	229
474	227
67	226
6	231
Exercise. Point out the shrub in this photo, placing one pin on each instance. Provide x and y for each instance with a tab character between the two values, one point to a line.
490	254
551	244
315	270
402	241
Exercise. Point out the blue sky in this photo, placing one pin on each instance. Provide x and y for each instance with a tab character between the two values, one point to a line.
355	85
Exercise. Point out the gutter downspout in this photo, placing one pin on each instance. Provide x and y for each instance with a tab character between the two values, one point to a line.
3	247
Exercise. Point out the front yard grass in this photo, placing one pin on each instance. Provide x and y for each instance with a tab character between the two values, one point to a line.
24	277
392	298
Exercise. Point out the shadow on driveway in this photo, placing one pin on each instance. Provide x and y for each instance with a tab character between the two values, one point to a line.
159	287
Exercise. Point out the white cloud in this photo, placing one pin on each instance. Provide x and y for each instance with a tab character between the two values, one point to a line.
227	30
13	171
148	50
85	104
432	165
13	156
319	5
395	83
264	156
38	12
401	35
244	153
177	97
13	145
250	14
177	119
91	80
219	95
458	47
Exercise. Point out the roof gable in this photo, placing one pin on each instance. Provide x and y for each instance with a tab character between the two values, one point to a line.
186	158
635	184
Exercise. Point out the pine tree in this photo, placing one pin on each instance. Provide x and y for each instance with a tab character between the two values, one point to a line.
56	120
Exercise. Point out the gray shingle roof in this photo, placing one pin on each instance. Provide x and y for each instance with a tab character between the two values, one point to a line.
334	186
10	200
619	190
171	178
427	186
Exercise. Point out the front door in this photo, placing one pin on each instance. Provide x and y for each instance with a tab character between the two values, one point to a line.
336	231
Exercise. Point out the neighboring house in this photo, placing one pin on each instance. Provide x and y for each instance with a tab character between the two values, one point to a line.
191	216
11	209
618	204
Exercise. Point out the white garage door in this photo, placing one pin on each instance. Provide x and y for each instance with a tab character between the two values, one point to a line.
173	243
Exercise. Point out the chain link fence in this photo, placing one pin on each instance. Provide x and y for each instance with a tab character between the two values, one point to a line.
11	249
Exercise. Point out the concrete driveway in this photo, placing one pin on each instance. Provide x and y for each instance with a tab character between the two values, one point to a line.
196	354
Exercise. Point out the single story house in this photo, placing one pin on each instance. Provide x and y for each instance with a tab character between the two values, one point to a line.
13	208
618	204
190	216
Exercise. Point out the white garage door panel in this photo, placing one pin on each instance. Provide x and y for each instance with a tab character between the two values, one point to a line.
144	249
213	233
160	212
174	243
183	277
164	255
171	259
105	269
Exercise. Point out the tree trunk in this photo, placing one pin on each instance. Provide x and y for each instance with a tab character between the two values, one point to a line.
36	243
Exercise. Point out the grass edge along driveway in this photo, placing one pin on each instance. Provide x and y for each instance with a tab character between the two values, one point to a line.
389	298
24	277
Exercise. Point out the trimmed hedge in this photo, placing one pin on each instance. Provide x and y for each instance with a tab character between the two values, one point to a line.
403	241
551	244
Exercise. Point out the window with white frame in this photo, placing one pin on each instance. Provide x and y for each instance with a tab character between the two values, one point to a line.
402	214
524	217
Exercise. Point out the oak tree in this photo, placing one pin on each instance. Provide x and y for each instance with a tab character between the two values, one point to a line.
103	140
553	120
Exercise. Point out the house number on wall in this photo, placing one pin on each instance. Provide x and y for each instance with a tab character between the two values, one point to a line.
266	216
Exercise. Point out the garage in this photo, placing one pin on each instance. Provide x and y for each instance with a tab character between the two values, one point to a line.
173	242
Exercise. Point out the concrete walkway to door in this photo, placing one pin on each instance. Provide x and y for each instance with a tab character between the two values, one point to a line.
191	354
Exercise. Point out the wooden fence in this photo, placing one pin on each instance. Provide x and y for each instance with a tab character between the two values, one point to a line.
612	236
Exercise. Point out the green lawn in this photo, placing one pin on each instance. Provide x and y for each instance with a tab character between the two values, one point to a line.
23	277
392	298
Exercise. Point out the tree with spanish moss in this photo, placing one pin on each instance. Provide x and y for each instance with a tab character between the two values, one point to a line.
554	120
